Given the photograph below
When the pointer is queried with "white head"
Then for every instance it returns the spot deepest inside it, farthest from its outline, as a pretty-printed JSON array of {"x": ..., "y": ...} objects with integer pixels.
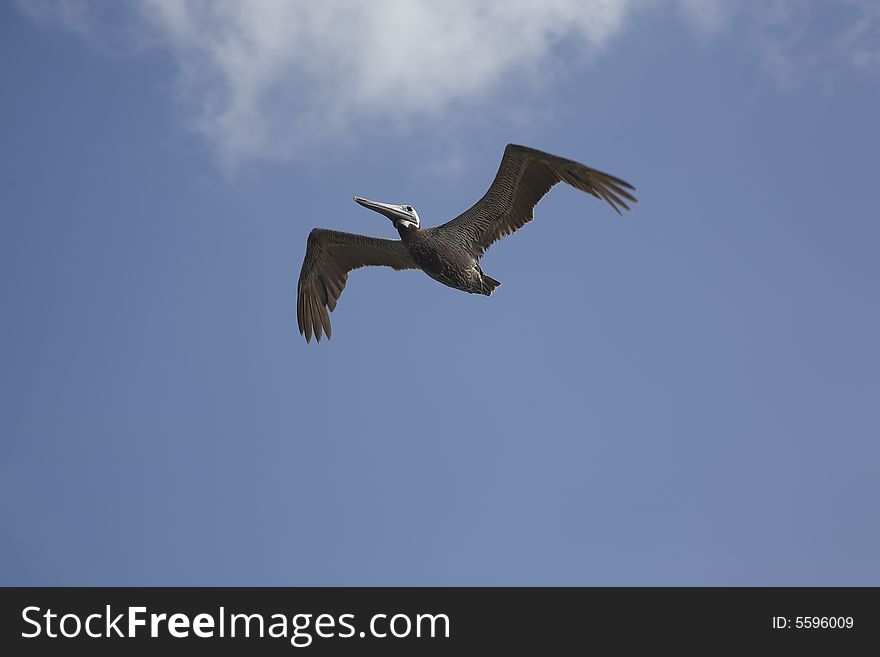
[{"x": 402, "y": 216}]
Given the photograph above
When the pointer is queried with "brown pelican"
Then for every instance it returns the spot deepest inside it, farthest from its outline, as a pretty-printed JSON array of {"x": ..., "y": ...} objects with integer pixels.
[{"x": 449, "y": 253}]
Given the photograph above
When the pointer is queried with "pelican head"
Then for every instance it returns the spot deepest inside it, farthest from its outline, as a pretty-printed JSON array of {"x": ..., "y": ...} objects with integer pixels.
[{"x": 401, "y": 215}]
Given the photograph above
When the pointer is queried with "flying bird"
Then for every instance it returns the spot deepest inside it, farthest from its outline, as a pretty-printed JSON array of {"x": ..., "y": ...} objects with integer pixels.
[{"x": 449, "y": 253}]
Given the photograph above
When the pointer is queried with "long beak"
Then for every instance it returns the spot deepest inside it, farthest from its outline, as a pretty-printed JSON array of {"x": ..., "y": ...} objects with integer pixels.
[{"x": 390, "y": 211}]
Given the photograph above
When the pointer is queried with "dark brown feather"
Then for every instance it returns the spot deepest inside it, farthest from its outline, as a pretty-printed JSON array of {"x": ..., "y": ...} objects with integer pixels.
[
  {"x": 524, "y": 178},
  {"x": 330, "y": 255}
]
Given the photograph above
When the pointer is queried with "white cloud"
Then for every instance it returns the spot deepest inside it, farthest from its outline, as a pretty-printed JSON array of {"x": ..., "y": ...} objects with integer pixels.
[{"x": 274, "y": 79}]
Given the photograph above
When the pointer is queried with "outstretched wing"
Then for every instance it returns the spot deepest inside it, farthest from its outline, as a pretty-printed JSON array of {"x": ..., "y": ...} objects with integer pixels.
[
  {"x": 524, "y": 177},
  {"x": 330, "y": 255}
]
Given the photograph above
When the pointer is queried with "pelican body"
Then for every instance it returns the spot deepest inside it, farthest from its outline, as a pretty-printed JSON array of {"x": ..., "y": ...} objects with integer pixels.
[
  {"x": 449, "y": 253},
  {"x": 433, "y": 252}
]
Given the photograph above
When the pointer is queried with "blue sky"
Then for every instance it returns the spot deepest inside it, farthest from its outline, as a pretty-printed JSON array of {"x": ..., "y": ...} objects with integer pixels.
[{"x": 686, "y": 396}]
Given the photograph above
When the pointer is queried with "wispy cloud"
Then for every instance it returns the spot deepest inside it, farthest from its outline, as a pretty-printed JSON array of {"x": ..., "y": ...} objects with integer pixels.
[
  {"x": 706, "y": 17},
  {"x": 274, "y": 79},
  {"x": 71, "y": 14},
  {"x": 814, "y": 40},
  {"x": 795, "y": 40}
]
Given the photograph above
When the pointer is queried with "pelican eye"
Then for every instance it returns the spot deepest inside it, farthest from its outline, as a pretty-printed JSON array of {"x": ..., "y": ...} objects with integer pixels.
[{"x": 408, "y": 208}]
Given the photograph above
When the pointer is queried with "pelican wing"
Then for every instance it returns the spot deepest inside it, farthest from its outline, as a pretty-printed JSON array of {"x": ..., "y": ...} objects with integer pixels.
[
  {"x": 330, "y": 255},
  {"x": 524, "y": 177}
]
